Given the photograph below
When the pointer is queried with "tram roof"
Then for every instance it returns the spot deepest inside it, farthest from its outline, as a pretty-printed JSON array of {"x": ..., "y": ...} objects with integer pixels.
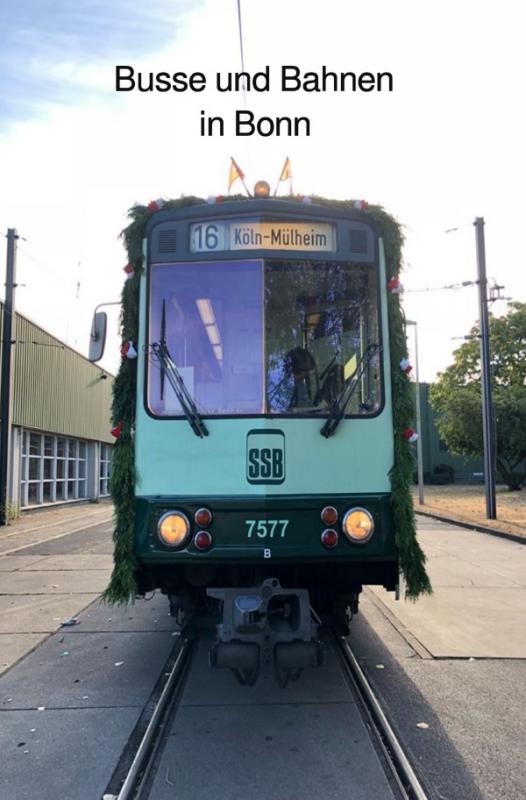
[{"x": 318, "y": 206}]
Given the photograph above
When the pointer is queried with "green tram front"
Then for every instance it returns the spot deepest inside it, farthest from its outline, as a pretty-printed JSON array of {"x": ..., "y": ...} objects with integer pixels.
[{"x": 264, "y": 433}]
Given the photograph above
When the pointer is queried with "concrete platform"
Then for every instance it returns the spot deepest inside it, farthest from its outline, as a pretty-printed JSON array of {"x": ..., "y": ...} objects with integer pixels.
[
  {"x": 14, "y": 563},
  {"x": 53, "y": 523},
  {"x": 14, "y": 646},
  {"x": 66, "y": 563},
  {"x": 87, "y": 669},
  {"x": 38, "y": 613},
  {"x": 67, "y": 709},
  {"x": 43, "y": 583},
  {"x": 473, "y": 745},
  {"x": 68, "y": 582},
  {"x": 144, "y": 615},
  {"x": 67, "y": 753},
  {"x": 478, "y": 608}
]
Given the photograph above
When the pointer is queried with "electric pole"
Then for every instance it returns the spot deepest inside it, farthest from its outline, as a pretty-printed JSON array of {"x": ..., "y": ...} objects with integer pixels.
[
  {"x": 485, "y": 375},
  {"x": 5, "y": 377}
]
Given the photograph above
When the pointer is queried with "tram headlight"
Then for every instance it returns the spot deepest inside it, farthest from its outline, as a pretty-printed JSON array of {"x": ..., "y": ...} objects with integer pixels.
[
  {"x": 358, "y": 525},
  {"x": 173, "y": 528}
]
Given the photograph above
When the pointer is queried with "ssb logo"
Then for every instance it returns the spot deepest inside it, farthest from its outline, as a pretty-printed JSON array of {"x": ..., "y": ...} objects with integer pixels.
[{"x": 266, "y": 456}]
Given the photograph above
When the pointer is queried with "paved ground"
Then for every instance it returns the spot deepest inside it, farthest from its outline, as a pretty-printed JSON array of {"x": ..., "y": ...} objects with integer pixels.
[
  {"x": 51, "y": 523},
  {"x": 478, "y": 608},
  {"x": 457, "y": 660},
  {"x": 47, "y": 575},
  {"x": 450, "y": 670},
  {"x": 69, "y": 707},
  {"x": 474, "y": 734}
]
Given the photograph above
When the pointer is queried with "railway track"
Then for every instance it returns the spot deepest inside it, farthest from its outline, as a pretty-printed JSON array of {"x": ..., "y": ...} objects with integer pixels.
[
  {"x": 148, "y": 775},
  {"x": 401, "y": 769},
  {"x": 136, "y": 762}
]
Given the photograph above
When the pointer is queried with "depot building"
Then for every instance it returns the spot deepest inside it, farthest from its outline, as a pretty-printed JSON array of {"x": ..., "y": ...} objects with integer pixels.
[{"x": 60, "y": 441}]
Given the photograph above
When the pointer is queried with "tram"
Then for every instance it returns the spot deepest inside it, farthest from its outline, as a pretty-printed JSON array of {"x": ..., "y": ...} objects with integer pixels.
[{"x": 255, "y": 468}]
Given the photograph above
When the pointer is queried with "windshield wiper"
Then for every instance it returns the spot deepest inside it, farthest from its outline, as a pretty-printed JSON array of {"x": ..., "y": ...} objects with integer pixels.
[
  {"x": 340, "y": 403},
  {"x": 175, "y": 379}
]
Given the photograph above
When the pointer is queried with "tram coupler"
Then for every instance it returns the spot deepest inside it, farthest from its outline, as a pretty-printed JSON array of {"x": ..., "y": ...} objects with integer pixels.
[{"x": 265, "y": 629}]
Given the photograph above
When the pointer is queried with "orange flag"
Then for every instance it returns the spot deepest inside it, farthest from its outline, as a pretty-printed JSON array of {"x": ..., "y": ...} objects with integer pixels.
[
  {"x": 286, "y": 172},
  {"x": 286, "y": 175},
  {"x": 235, "y": 173}
]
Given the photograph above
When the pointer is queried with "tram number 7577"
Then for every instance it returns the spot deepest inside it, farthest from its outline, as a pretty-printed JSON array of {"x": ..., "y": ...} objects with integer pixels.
[{"x": 267, "y": 528}]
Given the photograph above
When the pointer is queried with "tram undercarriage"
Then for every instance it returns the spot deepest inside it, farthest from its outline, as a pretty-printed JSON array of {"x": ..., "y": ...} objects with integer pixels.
[
  {"x": 266, "y": 624},
  {"x": 263, "y": 629}
]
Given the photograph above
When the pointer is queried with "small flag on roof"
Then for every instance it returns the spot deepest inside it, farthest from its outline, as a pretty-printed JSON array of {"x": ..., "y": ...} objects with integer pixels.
[
  {"x": 235, "y": 173},
  {"x": 285, "y": 175}
]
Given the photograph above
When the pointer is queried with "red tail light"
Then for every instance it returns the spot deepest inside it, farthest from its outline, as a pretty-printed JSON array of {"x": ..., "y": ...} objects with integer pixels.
[
  {"x": 202, "y": 540},
  {"x": 203, "y": 517},
  {"x": 329, "y": 538},
  {"x": 329, "y": 515}
]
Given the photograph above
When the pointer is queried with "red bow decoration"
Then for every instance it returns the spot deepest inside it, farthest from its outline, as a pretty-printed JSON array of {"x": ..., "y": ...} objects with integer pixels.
[
  {"x": 155, "y": 205},
  {"x": 117, "y": 430},
  {"x": 410, "y": 435},
  {"x": 128, "y": 350},
  {"x": 394, "y": 286}
]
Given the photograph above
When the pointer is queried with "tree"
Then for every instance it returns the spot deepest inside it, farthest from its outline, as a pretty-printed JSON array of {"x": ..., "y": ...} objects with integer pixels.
[{"x": 457, "y": 396}]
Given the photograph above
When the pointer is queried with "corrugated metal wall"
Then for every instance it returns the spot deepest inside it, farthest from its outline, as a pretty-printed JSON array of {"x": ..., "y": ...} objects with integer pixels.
[{"x": 55, "y": 388}]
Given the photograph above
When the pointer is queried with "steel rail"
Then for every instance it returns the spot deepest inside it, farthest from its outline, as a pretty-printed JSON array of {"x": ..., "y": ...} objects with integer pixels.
[
  {"x": 140, "y": 760},
  {"x": 399, "y": 760}
]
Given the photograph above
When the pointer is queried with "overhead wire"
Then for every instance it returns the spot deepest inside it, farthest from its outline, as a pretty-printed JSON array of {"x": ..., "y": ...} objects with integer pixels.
[
  {"x": 56, "y": 277},
  {"x": 460, "y": 285},
  {"x": 40, "y": 264},
  {"x": 241, "y": 49}
]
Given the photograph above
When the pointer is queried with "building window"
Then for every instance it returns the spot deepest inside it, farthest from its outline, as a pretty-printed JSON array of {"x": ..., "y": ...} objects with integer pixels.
[
  {"x": 104, "y": 469},
  {"x": 53, "y": 468}
]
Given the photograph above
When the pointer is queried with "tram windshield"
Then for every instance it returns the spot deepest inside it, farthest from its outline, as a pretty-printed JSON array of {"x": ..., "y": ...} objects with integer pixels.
[{"x": 265, "y": 337}]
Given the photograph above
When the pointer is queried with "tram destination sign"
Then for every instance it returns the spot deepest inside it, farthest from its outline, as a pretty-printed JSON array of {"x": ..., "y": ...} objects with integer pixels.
[{"x": 210, "y": 237}]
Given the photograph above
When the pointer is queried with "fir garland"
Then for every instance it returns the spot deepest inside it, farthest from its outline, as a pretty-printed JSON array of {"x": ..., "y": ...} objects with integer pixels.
[{"x": 122, "y": 587}]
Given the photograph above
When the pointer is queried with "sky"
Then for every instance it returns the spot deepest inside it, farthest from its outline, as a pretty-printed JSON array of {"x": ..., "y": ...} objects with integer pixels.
[{"x": 446, "y": 146}]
